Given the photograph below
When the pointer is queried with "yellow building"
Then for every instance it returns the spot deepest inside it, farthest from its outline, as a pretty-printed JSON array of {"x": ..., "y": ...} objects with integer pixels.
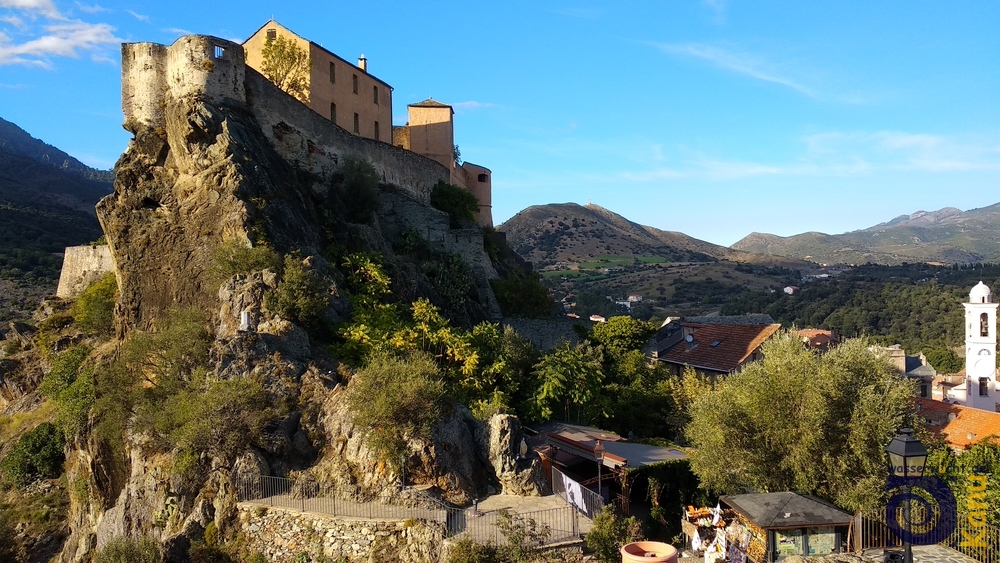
[
  {"x": 430, "y": 132},
  {"x": 340, "y": 90}
]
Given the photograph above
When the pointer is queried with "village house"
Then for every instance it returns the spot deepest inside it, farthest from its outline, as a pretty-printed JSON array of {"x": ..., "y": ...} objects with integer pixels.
[
  {"x": 960, "y": 427},
  {"x": 713, "y": 346},
  {"x": 818, "y": 340}
]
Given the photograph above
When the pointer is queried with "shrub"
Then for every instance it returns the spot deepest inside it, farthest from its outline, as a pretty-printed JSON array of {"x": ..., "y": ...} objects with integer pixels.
[
  {"x": 130, "y": 550},
  {"x": 234, "y": 258},
  {"x": 457, "y": 202},
  {"x": 396, "y": 399},
  {"x": 609, "y": 533},
  {"x": 522, "y": 294},
  {"x": 302, "y": 293},
  {"x": 7, "y": 536},
  {"x": 65, "y": 368},
  {"x": 355, "y": 189},
  {"x": 94, "y": 309},
  {"x": 38, "y": 453}
]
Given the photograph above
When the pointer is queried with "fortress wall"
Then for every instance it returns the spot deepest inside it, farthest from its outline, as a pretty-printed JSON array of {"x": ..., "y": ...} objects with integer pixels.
[
  {"x": 144, "y": 88},
  {"x": 82, "y": 266},
  {"x": 314, "y": 143},
  {"x": 208, "y": 67}
]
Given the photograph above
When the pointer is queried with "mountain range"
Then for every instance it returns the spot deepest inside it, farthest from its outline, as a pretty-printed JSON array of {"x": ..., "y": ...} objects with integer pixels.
[
  {"x": 47, "y": 201},
  {"x": 547, "y": 235},
  {"x": 946, "y": 236}
]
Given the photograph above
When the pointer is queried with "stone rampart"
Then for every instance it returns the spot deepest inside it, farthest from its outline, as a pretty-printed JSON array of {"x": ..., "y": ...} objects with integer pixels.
[
  {"x": 283, "y": 534},
  {"x": 82, "y": 266},
  {"x": 206, "y": 67},
  {"x": 316, "y": 144},
  {"x": 546, "y": 334}
]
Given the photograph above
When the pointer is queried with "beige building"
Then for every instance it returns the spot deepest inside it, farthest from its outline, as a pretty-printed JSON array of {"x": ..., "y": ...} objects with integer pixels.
[
  {"x": 430, "y": 132},
  {"x": 337, "y": 89}
]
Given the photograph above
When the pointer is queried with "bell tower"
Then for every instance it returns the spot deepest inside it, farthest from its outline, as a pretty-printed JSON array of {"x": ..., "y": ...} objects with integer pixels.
[{"x": 981, "y": 387}]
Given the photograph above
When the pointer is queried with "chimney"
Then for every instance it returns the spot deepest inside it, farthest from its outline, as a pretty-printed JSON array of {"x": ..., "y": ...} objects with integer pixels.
[
  {"x": 363, "y": 63},
  {"x": 952, "y": 416}
]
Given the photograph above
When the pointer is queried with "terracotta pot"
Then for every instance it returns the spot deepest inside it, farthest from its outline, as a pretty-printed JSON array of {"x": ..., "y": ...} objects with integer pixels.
[{"x": 649, "y": 552}]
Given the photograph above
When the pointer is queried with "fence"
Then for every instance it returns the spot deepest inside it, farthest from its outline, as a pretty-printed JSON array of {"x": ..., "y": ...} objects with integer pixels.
[
  {"x": 971, "y": 537},
  {"x": 560, "y": 524},
  {"x": 586, "y": 501}
]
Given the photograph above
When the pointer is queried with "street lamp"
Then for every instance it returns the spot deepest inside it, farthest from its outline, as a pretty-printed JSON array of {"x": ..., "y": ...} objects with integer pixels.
[
  {"x": 599, "y": 456},
  {"x": 907, "y": 459}
]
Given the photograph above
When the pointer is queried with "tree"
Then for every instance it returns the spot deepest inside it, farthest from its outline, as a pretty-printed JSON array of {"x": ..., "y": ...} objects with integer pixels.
[
  {"x": 456, "y": 201},
  {"x": 622, "y": 334},
  {"x": 797, "y": 421},
  {"x": 567, "y": 376},
  {"x": 287, "y": 66}
]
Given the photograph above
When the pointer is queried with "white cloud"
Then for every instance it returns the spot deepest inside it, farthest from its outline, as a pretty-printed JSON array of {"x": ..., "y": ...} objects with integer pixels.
[
  {"x": 718, "y": 7},
  {"x": 471, "y": 105},
  {"x": 43, "y": 7},
  {"x": 178, "y": 31},
  {"x": 63, "y": 40},
  {"x": 140, "y": 17},
  {"x": 13, "y": 20},
  {"x": 95, "y": 9},
  {"x": 740, "y": 63}
]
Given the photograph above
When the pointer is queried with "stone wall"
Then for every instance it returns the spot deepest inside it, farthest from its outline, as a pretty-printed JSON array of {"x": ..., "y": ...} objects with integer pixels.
[
  {"x": 82, "y": 266},
  {"x": 546, "y": 334},
  {"x": 311, "y": 142},
  {"x": 281, "y": 534}
]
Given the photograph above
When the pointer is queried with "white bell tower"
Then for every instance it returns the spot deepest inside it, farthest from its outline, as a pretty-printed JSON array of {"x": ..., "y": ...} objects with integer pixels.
[{"x": 981, "y": 390}]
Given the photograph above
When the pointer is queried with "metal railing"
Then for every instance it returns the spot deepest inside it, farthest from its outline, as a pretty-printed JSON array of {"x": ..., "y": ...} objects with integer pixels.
[
  {"x": 575, "y": 494},
  {"x": 971, "y": 537},
  {"x": 560, "y": 524}
]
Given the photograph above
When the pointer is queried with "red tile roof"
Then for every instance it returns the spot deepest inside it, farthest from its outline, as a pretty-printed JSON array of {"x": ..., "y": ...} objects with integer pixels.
[
  {"x": 718, "y": 347},
  {"x": 970, "y": 426}
]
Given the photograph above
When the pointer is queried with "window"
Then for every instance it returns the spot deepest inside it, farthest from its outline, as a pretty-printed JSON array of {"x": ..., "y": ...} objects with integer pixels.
[
  {"x": 375, "y": 93},
  {"x": 984, "y": 387},
  {"x": 355, "y": 83},
  {"x": 220, "y": 51},
  {"x": 483, "y": 178},
  {"x": 376, "y": 131},
  {"x": 333, "y": 73},
  {"x": 923, "y": 390},
  {"x": 357, "y": 124},
  {"x": 333, "y": 112},
  {"x": 272, "y": 34},
  {"x": 984, "y": 325}
]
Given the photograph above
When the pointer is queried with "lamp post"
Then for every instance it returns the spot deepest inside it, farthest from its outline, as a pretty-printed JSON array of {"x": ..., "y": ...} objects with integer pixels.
[
  {"x": 907, "y": 458},
  {"x": 599, "y": 456}
]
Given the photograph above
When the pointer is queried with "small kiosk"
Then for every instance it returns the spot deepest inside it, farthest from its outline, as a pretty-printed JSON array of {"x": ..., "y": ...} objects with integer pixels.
[{"x": 767, "y": 527}]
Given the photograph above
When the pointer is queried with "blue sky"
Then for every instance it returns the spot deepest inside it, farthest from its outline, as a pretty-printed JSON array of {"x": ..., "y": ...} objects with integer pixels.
[{"x": 713, "y": 118}]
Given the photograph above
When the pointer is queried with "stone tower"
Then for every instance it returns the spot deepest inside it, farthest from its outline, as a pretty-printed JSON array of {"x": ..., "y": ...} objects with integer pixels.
[{"x": 980, "y": 350}]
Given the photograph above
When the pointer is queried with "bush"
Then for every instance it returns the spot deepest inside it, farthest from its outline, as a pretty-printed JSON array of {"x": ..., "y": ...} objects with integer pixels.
[
  {"x": 130, "y": 550},
  {"x": 65, "y": 368},
  {"x": 356, "y": 188},
  {"x": 457, "y": 202},
  {"x": 94, "y": 309},
  {"x": 302, "y": 294},
  {"x": 233, "y": 258},
  {"x": 397, "y": 399},
  {"x": 609, "y": 533},
  {"x": 38, "y": 453},
  {"x": 522, "y": 294},
  {"x": 7, "y": 536}
]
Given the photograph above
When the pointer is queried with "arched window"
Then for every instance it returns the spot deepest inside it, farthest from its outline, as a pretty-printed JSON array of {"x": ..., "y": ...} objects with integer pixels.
[{"x": 984, "y": 325}]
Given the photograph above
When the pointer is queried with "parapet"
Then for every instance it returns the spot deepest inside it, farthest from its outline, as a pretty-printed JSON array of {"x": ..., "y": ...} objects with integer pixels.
[
  {"x": 202, "y": 66},
  {"x": 82, "y": 266}
]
